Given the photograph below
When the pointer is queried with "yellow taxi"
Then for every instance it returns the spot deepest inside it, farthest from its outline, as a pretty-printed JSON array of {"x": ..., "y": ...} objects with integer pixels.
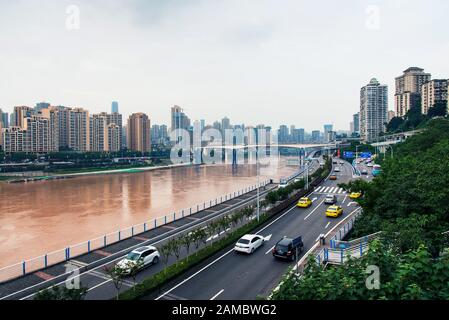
[
  {"x": 334, "y": 211},
  {"x": 355, "y": 195},
  {"x": 304, "y": 202}
]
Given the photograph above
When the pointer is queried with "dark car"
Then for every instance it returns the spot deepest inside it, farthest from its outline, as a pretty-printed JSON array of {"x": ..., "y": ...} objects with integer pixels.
[
  {"x": 364, "y": 172},
  {"x": 287, "y": 248}
]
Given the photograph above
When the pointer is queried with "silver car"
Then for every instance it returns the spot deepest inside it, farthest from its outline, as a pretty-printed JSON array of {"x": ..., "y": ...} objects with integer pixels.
[{"x": 330, "y": 199}]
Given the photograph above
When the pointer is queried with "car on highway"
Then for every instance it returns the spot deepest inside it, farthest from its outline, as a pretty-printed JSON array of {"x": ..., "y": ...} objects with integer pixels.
[
  {"x": 364, "y": 172},
  {"x": 334, "y": 211},
  {"x": 249, "y": 243},
  {"x": 304, "y": 202},
  {"x": 355, "y": 195},
  {"x": 142, "y": 256},
  {"x": 333, "y": 177},
  {"x": 288, "y": 248},
  {"x": 337, "y": 169},
  {"x": 370, "y": 165},
  {"x": 341, "y": 162},
  {"x": 334, "y": 161},
  {"x": 282, "y": 184},
  {"x": 330, "y": 199}
]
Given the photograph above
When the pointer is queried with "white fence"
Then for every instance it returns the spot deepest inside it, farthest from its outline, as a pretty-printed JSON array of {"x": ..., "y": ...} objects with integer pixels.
[{"x": 72, "y": 251}]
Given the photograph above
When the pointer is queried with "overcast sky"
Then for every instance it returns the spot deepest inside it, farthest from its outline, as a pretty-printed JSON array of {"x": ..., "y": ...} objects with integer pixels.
[{"x": 255, "y": 61}]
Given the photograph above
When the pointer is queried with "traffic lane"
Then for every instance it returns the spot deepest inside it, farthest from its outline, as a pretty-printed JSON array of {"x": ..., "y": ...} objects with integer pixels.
[{"x": 246, "y": 276}]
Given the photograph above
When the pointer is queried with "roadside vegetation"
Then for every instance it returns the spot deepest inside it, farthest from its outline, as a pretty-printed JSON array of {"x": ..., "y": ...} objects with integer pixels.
[{"x": 408, "y": 203}]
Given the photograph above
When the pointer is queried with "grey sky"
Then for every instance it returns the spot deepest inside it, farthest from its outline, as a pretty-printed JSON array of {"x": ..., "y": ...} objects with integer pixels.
[{"x": 255, "y": 61}]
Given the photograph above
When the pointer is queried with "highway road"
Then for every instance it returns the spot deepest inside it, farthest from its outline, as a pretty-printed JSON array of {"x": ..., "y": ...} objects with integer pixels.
[{"x": 236, "y": 276}]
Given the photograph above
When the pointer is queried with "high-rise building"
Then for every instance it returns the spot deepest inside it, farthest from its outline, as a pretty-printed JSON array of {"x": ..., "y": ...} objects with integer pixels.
[
  {"x": 327, "y": 128},
  {"x": 432, "y": 93},
  {"x": 32, "y": 137},
  {"x": 116, "y": 118},
  {"x": 79, "y": 130},
  {"x": 316, "y": 136},
  {"x": 179, "y": 119},
  {"x": 4, "y": 119},
  {"x": 225, "y": 124},
  {"x": 373, "y": 110},
  {"x": 41, "y": 105},
  {"x": 283, "y": 134},
  {"x": 114, "y": 107},
  {"x": 408, "y": 89},
  {"x": 20, "y": 113},
  {"x": 114, "y": 136},
  {"x": 391, "y": 115},
  {"x": 99, "y": 133},
  {"x": 139, "y": 135},
  {"x": 356, "y": 122}
]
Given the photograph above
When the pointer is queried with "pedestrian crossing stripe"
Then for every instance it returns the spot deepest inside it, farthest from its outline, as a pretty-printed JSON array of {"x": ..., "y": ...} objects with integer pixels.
[{"x": 335, "y": 190}]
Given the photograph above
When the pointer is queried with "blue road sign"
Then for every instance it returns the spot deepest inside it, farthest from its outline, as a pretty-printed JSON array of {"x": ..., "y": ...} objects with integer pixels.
[
  {"x": 365, "y": 155},
  {"x": 348, "y": 154}
]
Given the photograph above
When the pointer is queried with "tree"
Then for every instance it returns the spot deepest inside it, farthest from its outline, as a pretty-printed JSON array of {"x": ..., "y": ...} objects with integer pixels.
[
  {"x": 134, "y": 268},
  {"x": 117, "y": 275},
  {"x": 61, "y": 293},
  {"x": 395, "y": 124},
  {"x": 176, "y": 244},
  {"x": 187, "y": 240},
  {"x": 439, "y": 109},
  {"x": 165, "y": 251}
]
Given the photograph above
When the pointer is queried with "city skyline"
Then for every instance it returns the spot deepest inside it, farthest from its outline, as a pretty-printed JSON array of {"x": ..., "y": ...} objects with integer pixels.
[{"x": 214, "y": 64}]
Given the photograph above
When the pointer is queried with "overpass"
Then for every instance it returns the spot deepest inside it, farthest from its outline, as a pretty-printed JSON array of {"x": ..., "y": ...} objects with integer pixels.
[{"x": 231, "y": 151}]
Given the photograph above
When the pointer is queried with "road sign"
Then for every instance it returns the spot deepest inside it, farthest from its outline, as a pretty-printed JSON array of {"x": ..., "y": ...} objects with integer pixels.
[
  {"x": 365, "y": 155},
  {"x": 348, "y": 154}
]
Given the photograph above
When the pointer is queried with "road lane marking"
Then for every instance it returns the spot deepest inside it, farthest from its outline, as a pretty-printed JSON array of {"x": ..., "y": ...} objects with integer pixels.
[
  {"x": 220, "y": 292},
  {"x": 325, "y": 190},
  {"x": 346, "y": 196},
  {"x": 270, "y": 250},
  {"x": 351, "y": 203},
  {"x": 318, "y": 189},
  {"x": 318, "y": 205},
  {"x": 327, "y": 225}
]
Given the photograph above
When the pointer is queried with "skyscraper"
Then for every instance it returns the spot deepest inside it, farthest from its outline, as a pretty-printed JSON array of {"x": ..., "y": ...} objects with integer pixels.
[
  {"x": 373, "y": 110},
  {"x": 114, "y": 107},
  {"x": 315, "y": 136},
  {"x": 327, "y": 129},
  {"x": 139, "y": 135},
  {"x": 4, "y": 119},
  {"x": 99, "y": 133},
  {"x": 20, "y": 113},
  {"x": 356, "y": 122},
  {"x": 408, "y": 89}
]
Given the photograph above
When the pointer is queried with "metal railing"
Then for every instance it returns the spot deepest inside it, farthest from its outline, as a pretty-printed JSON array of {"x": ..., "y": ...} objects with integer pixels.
[{"x": 41, "y": 262}]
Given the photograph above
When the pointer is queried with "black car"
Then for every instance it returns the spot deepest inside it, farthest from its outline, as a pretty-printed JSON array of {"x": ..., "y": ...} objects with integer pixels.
[
  {"x": 286, "y": 248},
  {"x": 364, "y": 172}
]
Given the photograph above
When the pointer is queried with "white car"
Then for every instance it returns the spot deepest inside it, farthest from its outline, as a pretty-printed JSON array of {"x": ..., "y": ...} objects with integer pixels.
[
  {"x": 369, "y": 165},
  {"x": 282, "y": 184},
  {"x": 249, "y": 243},
  {"x": 147, "y": 255},
  {"x": 337, "y": 169},
  {"x": 341, "y": 162}
]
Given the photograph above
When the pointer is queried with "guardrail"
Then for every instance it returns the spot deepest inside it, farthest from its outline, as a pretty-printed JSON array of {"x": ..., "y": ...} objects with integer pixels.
[
  {"x": 338, "y": 247},
  {"x": 44, "y": 261}
]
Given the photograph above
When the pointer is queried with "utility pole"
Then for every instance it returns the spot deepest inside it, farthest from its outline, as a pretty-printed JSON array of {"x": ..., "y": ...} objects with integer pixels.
[{"x": 258, "y": 185}]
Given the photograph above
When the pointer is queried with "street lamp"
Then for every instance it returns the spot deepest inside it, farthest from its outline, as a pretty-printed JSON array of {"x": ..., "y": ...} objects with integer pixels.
[{"x": 258, "y": 185}]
